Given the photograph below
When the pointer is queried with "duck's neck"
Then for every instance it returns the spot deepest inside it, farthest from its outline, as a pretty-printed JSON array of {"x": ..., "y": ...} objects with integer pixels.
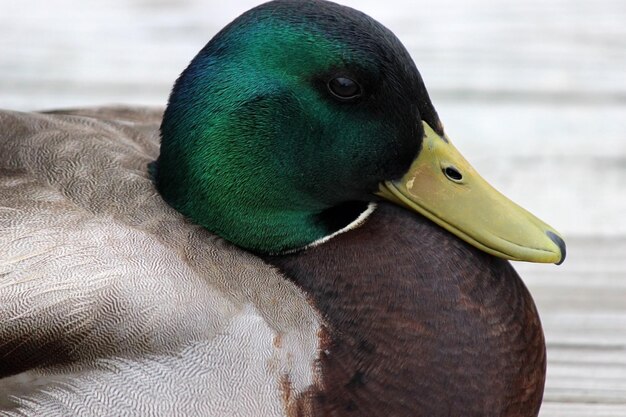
[{"x": 419, "y": 323}]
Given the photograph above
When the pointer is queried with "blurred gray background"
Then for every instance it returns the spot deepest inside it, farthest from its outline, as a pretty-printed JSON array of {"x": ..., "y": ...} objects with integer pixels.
[{"x": 532, "y": 92}]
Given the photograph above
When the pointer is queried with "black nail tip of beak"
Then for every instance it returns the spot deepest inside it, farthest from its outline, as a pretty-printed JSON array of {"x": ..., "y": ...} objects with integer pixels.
[{"x": 559, "y": 242}]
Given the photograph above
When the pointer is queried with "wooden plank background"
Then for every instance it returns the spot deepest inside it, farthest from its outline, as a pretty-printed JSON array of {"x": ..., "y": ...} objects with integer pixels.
[
  {"x": 582, "y": 304},
  {"x": 533, "y": 92}
]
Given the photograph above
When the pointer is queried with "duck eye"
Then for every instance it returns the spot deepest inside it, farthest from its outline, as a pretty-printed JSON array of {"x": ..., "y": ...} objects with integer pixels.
[{"x": 344, "y": 88}]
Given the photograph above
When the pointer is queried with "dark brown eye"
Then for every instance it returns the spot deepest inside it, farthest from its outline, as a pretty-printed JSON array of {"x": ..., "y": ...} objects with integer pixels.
[{"x": 344, "y": 88}]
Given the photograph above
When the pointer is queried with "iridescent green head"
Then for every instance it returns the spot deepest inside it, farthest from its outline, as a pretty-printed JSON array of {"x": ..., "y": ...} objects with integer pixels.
[
  {"x": 259, "y": 146},
  {"x": 284, "y": 126}
]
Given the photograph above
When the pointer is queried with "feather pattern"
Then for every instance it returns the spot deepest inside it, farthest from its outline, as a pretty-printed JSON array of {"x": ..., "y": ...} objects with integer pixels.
[{"x": 119, "y": 300}]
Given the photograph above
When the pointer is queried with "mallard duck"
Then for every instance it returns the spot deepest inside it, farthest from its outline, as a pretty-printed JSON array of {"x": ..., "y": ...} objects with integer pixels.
[{"x": 298, "y": 238}]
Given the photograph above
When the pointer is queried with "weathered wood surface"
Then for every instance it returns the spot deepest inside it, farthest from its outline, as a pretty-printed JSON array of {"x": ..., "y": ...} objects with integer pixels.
[
  {"x": 533, "y": 92},
  {"x": 60, "y": 52},
  {"x": 582, "y": 304}
]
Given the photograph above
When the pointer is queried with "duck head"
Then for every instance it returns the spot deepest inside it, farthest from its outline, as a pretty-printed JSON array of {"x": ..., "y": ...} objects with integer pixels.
[{"x": 297, "y": 116}]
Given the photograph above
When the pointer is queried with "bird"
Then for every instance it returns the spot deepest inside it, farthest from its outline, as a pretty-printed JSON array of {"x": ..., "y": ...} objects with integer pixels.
[{"x": 293, "y": 235}]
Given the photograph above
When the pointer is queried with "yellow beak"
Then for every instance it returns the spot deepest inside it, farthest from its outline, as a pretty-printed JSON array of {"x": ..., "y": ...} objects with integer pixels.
[{"x": 445, "y": 188}]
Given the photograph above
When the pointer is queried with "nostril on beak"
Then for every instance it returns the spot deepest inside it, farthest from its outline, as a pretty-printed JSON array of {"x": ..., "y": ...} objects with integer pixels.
[
  {"x": 560, "y": 243},
  {"x": 453, "y": 174}
]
